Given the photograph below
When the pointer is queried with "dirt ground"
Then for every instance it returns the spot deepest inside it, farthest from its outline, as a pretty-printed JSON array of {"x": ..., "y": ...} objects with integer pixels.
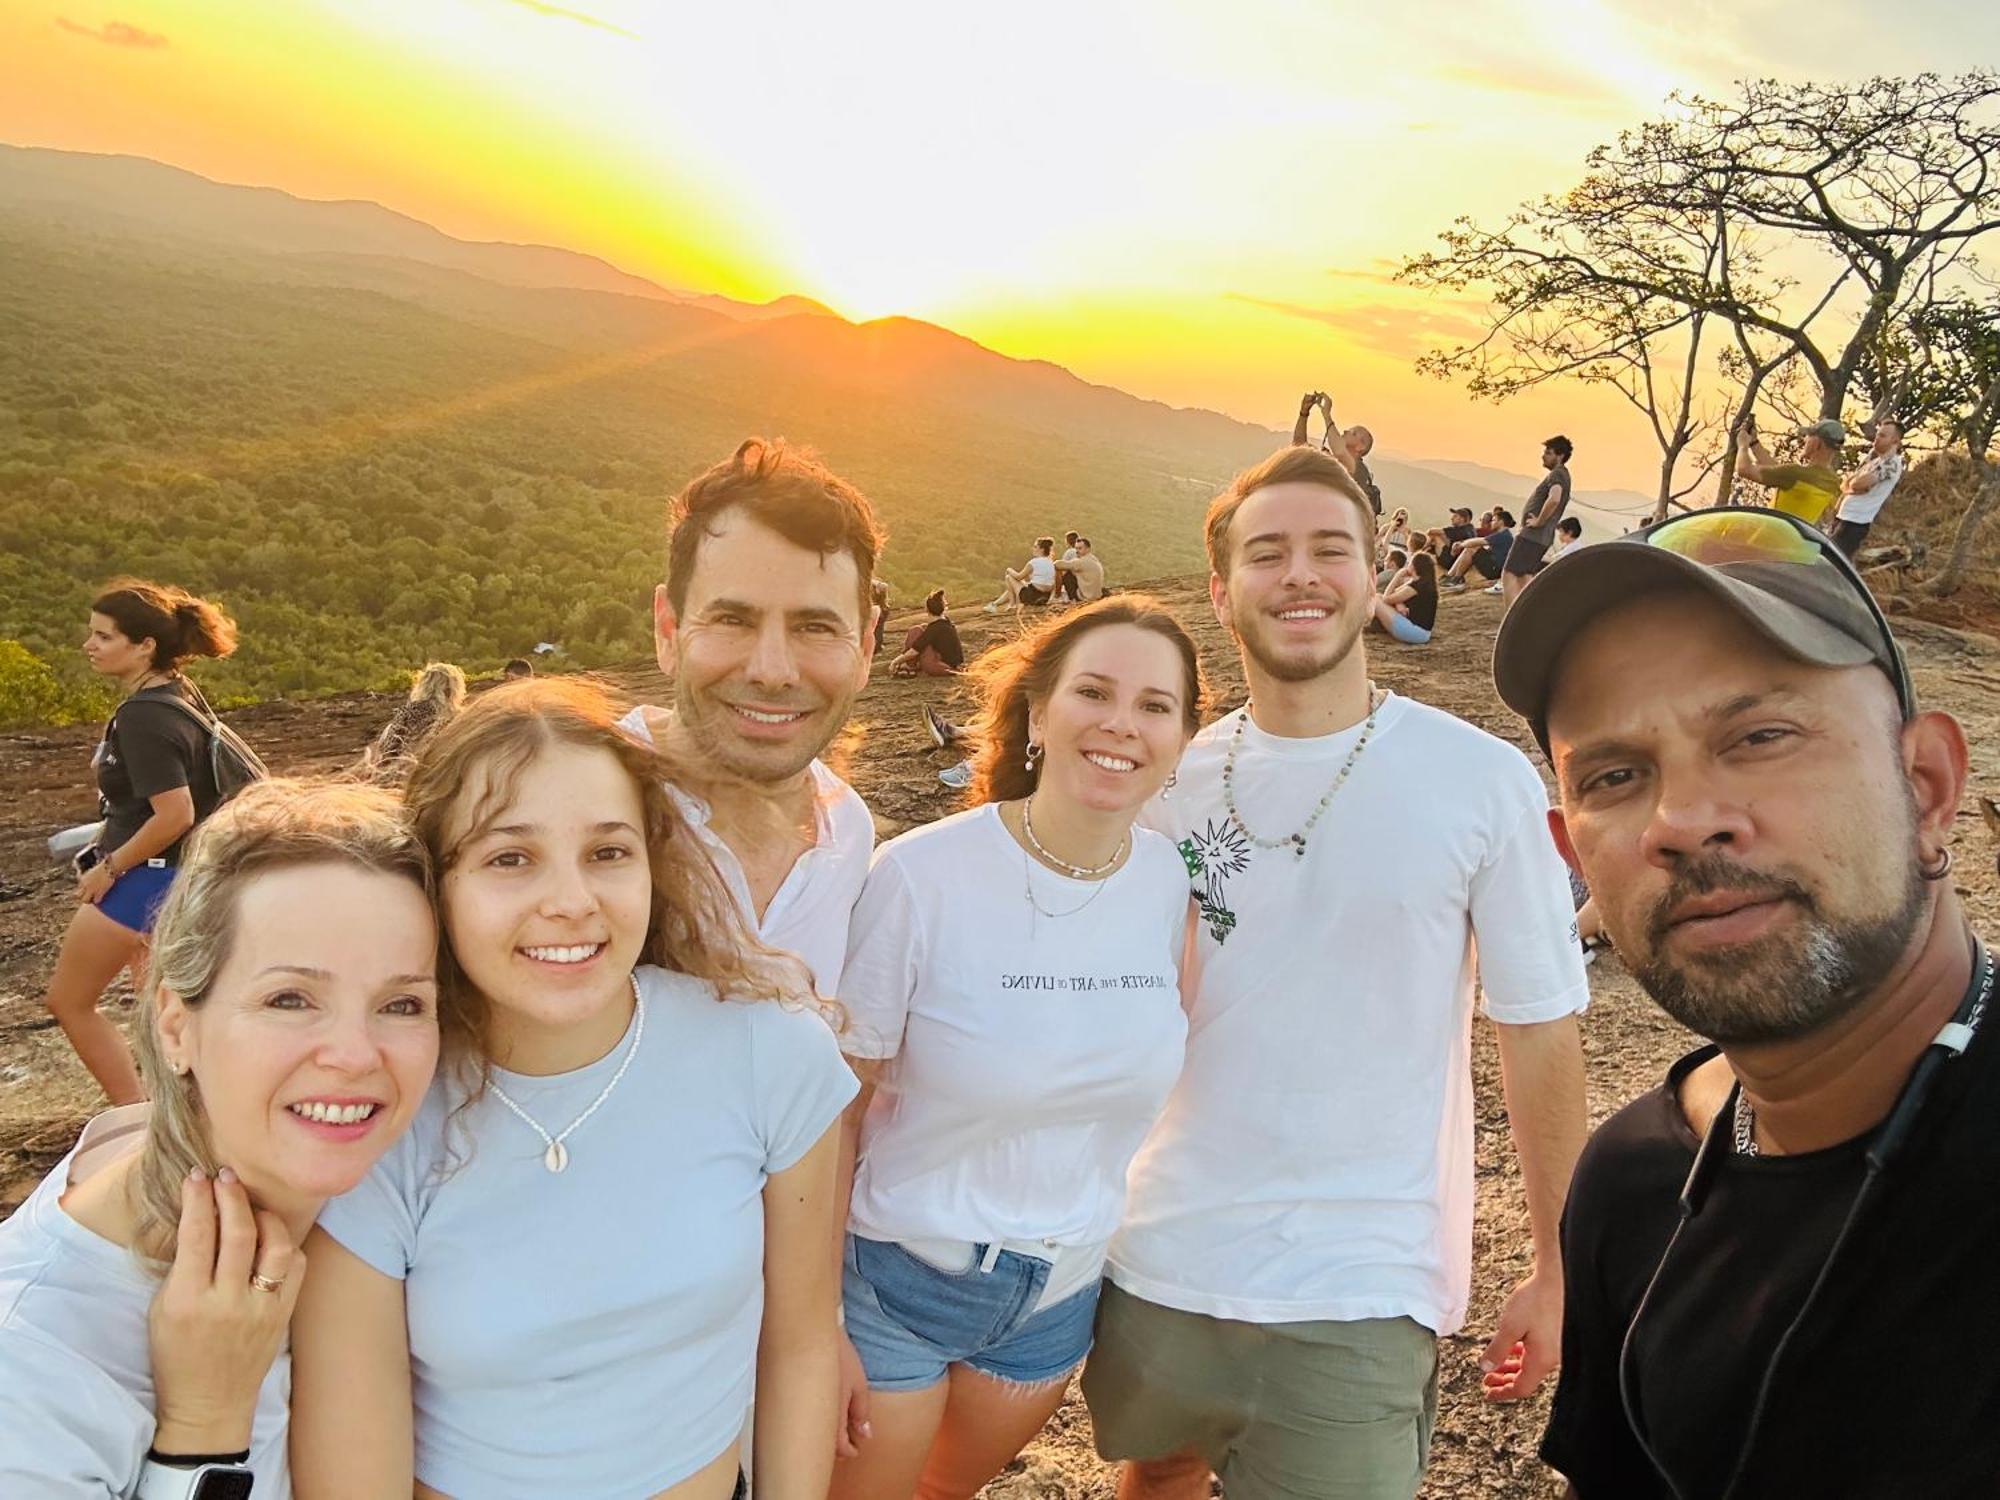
[{"x": 1480, "y": 1450}]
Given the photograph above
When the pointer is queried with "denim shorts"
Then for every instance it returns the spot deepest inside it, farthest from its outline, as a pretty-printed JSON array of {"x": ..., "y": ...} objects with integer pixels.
[{"x": 910, "y": 1321}]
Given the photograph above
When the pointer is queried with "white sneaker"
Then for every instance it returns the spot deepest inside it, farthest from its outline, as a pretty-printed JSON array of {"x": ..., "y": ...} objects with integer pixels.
[
  {"x": 989, "y": 609},
  {"x": 1497, "y": 589},
  {"x": 957, "y": 777}
]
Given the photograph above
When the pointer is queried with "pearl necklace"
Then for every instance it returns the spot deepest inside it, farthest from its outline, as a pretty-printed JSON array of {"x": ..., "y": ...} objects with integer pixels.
[
  {"x": 556, "y": 1157},
  {"x": 1295, "y": 842},
  {"x": 1080, "y": 872}
]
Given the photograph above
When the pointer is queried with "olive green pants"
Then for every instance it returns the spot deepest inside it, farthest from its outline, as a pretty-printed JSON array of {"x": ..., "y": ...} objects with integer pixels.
[{"x": 1281, "y": 1411}]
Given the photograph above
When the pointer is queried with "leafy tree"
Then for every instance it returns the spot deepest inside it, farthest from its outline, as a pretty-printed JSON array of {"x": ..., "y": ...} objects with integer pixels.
[{"x": 1816, "y": 221}]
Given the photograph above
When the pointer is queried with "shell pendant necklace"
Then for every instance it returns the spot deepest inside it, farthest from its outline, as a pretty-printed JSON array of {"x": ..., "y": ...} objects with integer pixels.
[
  {"x": 1295, "y": 842},
  {"x": 556, "y": 1157}
]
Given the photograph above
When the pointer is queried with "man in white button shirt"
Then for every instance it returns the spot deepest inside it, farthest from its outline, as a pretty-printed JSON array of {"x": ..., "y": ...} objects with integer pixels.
[
  {"x": 1298, "y": 1233},
  {"x": 764, "y": 625}
]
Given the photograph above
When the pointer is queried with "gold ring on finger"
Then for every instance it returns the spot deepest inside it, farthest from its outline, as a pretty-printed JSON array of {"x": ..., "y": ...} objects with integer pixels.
[{"x": 267, "y": 1283}]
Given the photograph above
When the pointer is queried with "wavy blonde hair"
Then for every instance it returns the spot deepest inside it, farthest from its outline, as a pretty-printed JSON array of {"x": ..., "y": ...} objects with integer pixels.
[
  {"x": 277, "y": 824},
  {"x": 440, "y": 682},
  {"x": 696, "y": 926}
]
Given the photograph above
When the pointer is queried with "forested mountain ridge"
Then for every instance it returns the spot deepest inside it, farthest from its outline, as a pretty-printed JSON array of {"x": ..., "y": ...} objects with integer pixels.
[{"x": 374, "y": 458}]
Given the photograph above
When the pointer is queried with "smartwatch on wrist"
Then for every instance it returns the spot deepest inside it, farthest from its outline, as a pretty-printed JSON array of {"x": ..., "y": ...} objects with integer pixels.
[{"x": 206, "y": 1477}]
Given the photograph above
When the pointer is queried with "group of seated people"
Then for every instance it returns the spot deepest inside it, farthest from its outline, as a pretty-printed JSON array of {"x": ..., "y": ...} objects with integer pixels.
[
  {"x": 1077, "y": 576},
  {"x": 1413, "y": 567}
]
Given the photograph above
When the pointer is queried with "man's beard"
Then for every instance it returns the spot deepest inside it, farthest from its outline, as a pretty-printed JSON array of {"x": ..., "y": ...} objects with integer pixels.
[
  {"x": 1300, "y": 665},
  {"x": 1782, "y": 986}
]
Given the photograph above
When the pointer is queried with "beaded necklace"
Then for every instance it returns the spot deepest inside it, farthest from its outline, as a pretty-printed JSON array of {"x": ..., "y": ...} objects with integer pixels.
[{"x": 1295, "y": 842}]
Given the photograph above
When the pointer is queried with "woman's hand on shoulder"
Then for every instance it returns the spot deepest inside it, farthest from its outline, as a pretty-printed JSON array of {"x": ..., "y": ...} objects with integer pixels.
[{"x": 213, "y": 1329}]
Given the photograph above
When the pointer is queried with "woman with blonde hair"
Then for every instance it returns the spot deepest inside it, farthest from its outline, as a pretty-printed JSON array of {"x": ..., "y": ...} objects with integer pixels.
[
  {"x": 1394, "y": 532},
  {"x": 1012, "y": 989},
  {"x": 436, "y": 693},
  {"x": 154, "y": 784},
  {"x": 146, "y": 1284},
  {"x": 611, "y": 1222}
]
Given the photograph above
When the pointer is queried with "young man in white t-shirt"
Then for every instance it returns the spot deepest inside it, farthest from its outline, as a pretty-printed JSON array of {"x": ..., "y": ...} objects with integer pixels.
[
  {"x": 1299, "y": 1231},
  {"x": 764, "y": 624},
  {"x": 1868, "y": 488}
]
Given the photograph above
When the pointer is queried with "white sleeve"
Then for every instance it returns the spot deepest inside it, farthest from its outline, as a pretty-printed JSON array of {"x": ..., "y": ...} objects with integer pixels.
[
  {"x": 68, "y": 1431},
  {"x": 1524, "y": 922},
  {"x": 799, "y": 1081},
  {"x": 885, "y": 953}
]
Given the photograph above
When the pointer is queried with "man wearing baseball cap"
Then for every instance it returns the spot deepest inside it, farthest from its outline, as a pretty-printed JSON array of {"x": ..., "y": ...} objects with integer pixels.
[
  {"x": 1803, "y": 489},
  {"x": 1779, "y": 1265}
]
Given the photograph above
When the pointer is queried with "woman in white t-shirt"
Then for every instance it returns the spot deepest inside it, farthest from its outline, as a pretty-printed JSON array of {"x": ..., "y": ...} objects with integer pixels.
[
  {"x": 609, "y": 1224},
  {"x": 282, "y": 1058},
  {"x": 1011, "y": 988},
  {"x": 1034, "y": 582}
]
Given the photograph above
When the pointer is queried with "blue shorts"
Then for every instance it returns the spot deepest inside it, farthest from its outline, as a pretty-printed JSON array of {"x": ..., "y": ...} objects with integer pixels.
[
  {"x": 911, "y": 1322},
  {"x": 135, "y": 897}
]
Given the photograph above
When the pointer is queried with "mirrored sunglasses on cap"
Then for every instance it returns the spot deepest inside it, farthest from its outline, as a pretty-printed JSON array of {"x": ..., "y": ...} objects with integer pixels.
[{"x": 1735, "y": 534}]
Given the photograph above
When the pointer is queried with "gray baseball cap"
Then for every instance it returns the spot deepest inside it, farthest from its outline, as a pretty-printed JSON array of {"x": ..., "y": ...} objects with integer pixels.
[
  {"x": 1777, "y": 576},
  {"x": 1827, "y": 430}
]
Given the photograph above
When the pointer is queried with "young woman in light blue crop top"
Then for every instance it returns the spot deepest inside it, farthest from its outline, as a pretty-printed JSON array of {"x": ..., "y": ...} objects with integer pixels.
[{"x": 611, "y": 1226}]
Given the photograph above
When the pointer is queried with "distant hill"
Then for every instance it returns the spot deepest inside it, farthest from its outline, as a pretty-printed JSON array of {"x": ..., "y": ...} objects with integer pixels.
[
  {"x": 133, "y": 195},
  {"x": 377, "y": 444},
  {"x": 380, "y": 444}
]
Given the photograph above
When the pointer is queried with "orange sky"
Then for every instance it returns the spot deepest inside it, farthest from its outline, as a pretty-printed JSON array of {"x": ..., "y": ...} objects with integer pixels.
[{"x": 1194, "y": 202}]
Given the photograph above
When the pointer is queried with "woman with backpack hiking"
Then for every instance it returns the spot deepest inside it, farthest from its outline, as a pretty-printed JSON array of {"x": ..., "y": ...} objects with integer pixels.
[{"x": 155, "y": 782}]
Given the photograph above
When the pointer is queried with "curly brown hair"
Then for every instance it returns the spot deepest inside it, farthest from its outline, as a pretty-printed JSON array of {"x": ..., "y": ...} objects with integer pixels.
[
  {"x": 787, "y": 489},
  {"x": 1014, "y": 677}
]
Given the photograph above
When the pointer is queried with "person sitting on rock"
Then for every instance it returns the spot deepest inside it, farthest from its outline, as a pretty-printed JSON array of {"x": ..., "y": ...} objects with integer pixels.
[
  {"x": 1034, "y": 582},
  {"x": 932, "y": 649}
]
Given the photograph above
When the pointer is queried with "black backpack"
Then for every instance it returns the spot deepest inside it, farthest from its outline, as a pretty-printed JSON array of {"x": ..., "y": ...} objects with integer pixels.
[{"x": 232, "y": 764}]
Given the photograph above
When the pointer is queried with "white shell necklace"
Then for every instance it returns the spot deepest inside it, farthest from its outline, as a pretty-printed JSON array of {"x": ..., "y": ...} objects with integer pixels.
[
  {"x": 556, "y": 1157},
  {"x": 1295, "y": 842}
]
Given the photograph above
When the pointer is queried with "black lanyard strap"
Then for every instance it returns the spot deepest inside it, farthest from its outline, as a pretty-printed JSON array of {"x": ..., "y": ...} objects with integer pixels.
[{"x": 1884, "y": 1145}]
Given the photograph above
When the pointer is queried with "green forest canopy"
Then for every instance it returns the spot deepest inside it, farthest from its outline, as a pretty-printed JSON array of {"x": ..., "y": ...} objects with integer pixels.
[{"x": 377, "y": 464}]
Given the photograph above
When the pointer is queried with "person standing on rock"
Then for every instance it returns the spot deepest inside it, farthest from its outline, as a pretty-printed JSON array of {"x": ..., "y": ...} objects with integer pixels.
[
  {"x": 153, "y": 785},
  {"x": 1299, "y": 1229},
  {"x": 1764, "y": 815},
  {"x": 1351, "y": 447},
  {"x": 1529, "y": 554},
  {"x": 1868, "y": 488},
  {"x": 764, "y": 626}
]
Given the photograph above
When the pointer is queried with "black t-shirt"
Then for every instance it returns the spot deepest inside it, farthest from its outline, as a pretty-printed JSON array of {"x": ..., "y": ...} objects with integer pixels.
[
  {"x": 150, "y": 747},
  {"x": 1891, "y": 1388},
  {"x": 1421, "y": 608},
  {"x": 942, "y": 637},
  {"x": 1453, "y": 535}
]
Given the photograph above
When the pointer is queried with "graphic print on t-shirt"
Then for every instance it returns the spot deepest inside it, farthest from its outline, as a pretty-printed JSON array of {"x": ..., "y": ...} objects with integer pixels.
[{"x": 1212, "y": 856}]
